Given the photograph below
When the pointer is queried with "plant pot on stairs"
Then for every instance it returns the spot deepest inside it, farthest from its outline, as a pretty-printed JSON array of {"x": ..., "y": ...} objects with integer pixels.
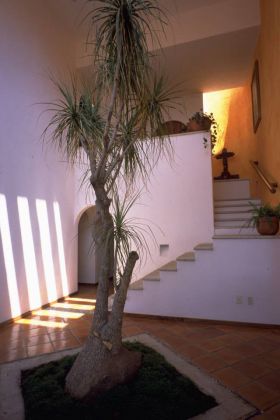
[
  {"x": 265, "y": 218},
  {"x": 267, "y": 225}
]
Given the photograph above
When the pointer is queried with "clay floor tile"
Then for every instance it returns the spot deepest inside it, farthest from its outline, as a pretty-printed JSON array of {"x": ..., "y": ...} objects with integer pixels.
[
  {"x": 212, "y": 345},
  {"x": 190, "y": 351},
  {"x": 231, "y": 378},
  {"x": 181, "y": 328},
  {"x": 265, "y": 344},
  {"x": 229, "y": 328},
  {"x": 131, "y": 330},
  {"x": 272, "y": 358},
  {"x": 229, "y": 356},
  {"x": 275, "y": 411},
  {"x": 68, "y": 343},
  {"x": 264, "y": 416},
  {"x": 38, "y": 339},
  {"x": 251, "y": 369},
  {"x": 259, "y": 395},
  {"x": 205, "y": 333},
  {"x": 172, "y": 340},
  {"x": 210, "y": 363},
  {"x": 33, "y": 332},
  {"x": 60, "y": 335},
  {"x": 245, "y": 349},
  {"x": 13, "y": 354},
  {"x": 218, "y": 343},
  {"x": 271, "y": 381},
  {"x": 11, "y": 345},
  {"x": 40, "y": 349}
]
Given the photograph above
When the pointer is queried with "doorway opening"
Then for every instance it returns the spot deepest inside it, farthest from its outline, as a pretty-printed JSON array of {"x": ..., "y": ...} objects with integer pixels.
[{"x": 87, "y": 265}]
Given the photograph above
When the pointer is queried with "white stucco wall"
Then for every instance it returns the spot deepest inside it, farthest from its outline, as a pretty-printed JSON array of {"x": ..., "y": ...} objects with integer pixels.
[
  {"x": 38, "y": 244},
  {"x": 177, "y": 202}
]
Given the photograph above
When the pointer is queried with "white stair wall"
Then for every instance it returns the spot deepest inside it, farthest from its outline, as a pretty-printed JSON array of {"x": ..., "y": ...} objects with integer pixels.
[
  {"x": 233, "y": 278},
  {"x": 212, "y": 286},
  {"x": 177, "y": 204}
]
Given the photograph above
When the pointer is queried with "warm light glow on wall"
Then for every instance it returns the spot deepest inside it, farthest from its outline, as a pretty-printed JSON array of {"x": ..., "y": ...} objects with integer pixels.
[
  {"x": 219, "y": 104},
  {"x": 45, "y": 238},
  {"x": 29, "y": 253},
  {"x": 9, "y": 258},
  {"x": 61, "y": 254}
]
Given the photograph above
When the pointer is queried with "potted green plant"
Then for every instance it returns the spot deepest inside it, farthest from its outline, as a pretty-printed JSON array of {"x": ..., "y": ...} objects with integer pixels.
[
  {"x": 200, "y": 121},
  {"x": 265, "y": 218},
  {"x": 203, "y": 121}
]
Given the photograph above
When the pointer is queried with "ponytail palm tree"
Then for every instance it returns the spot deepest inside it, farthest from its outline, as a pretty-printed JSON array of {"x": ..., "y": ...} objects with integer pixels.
[{"x": 116, "y": 121}]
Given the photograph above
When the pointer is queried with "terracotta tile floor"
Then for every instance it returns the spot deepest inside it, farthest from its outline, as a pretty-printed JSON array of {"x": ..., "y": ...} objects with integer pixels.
[{"x": 244, "y": 358}]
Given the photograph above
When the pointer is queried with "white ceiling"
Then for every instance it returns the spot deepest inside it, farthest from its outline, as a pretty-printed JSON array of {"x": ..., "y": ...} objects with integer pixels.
[{"x": 209, "y": 44}]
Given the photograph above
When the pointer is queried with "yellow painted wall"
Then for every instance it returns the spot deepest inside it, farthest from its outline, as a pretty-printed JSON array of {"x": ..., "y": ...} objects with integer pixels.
[
  {"x": 267, "y": 137},
  {"x": 232, "y": 109}
]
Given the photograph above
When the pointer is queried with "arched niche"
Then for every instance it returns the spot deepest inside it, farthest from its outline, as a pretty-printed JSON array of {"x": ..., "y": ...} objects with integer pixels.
[{"x": 87, "y": 261}]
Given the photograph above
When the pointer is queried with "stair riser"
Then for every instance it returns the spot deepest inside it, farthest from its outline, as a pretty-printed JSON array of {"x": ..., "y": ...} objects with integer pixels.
[{"x": 231, "y": 190}]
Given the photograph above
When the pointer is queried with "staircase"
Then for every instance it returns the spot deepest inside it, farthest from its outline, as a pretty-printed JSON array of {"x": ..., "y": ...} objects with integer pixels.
[
  {"x": 233, "y": 278},
  {"x": 233, "y": 209}
]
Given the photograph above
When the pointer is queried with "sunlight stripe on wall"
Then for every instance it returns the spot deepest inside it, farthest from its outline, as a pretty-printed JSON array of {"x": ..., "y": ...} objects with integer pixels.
[
  {"x": 61, "y": 254},
  {"x": 45, "y": 238},
  {"x": 9, "y": 258},
  {"x": 29, "y": 253}
]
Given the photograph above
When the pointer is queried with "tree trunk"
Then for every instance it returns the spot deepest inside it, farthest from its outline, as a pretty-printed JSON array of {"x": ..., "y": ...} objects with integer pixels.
[{"x": 103, "y": 362}]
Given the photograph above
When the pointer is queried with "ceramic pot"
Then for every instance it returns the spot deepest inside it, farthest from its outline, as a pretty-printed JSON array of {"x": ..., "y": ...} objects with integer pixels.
[{"x": 268, "y": 225}]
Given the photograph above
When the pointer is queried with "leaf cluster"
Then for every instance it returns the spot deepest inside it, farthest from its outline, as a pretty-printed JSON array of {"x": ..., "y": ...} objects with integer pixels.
[{"x": 266, "y": 211}]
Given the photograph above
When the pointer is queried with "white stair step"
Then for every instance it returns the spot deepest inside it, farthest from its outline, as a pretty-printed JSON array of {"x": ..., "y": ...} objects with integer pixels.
[
  {"x": 240, "y": 223},
  {"x": 204, "y": 247},
  {"x": 233, "y": 209},
  {"x": 154, "y": 276},
  {"x": 171, "y": 266},
  {"x": 233, "y": 216},
  {"x": 249, "y": 236},
  {"x": 237, "y": 203},
  {"x": 188, "y": 256},
  {"x": 234, "y": 231},
  {"x": 137, "y": 285}
]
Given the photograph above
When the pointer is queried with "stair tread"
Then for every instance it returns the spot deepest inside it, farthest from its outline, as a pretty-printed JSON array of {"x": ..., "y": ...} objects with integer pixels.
[
  {"x": 204, "y": 247},
  {"x": 153, "y": 276},
  {"x": 188, "y": 256},
  {"x": 171, "y": 266},
  {"x": 236, "y": 199},
  {"x": 137, "y": 285},
  {"x": 232, "y": 211},
  {"x": 246, "y": 236}
]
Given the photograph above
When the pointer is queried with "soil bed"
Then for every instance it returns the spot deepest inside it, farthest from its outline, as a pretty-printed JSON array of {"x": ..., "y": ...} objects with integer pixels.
[{"x": 158, "y": 392}]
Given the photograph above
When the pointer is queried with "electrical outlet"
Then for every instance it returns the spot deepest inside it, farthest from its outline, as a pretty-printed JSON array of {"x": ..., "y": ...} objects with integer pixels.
[
  {"x": 239, "y": 300},
  {"x": 250, "y": 300}
]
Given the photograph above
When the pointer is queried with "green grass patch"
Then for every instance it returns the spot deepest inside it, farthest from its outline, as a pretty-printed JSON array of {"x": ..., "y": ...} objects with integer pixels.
[{"x": 159, "y": 392}]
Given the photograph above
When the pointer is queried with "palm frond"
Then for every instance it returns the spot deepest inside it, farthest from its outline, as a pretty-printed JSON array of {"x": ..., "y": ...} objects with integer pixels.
[{"x": 129, "y": 234}]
